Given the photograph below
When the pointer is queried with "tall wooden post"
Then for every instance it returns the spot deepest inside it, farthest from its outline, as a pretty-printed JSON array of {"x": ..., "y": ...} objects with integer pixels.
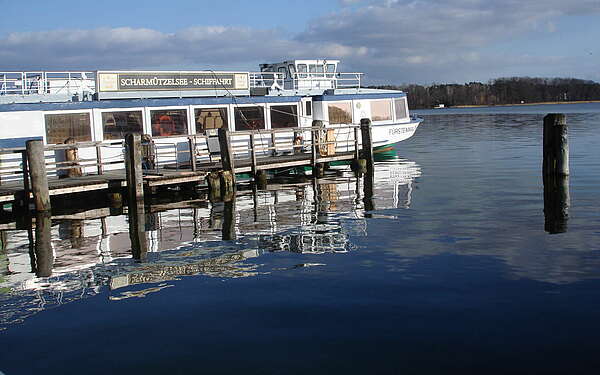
[
  {"x": 315, "y": 145},
  {"x": 135, "y": 195},
  {"x": 227, "y": 159},
  {"x": 367, "y": 143},
  {"x": 555, "y": 171},
  {"x": 133, "y": 168},
  {"x": 556, "y": 145},
  {"x": 369, "y": 177},
  {"x": 37, "y": 172}
]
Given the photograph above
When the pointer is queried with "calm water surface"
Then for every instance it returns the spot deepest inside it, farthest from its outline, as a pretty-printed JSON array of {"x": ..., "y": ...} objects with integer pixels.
[{"x": 452, "y": 271}]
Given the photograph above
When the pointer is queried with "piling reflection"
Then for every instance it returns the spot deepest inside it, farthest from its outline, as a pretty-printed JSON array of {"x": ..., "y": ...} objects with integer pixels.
[
  {"x": 74, "y": 256},
  {"x": 44, "y": 257},
  {"x": 556, "y": 203}
]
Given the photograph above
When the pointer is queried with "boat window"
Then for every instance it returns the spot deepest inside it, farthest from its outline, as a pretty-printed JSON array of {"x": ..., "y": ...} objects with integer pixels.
[
  {"x": 116, "y": 124},
  {"x": 381, "y": 110},
  {"x": 210, "y": 118},
  {"x": 308, "y": 108},
  {"x": 60, "y": 127},
  {"x": 292, "y": 69},
  {"x": 330, "y": 68},
  {"x": 249, "y": 118},
  {"x": 283, "y": 70},
  {"x": 169, "y": 122},
  {"x": 302, "y": 69},
  {"x": 284, "y": 116},
  {"x": 340, "y": 113},
  {"x": 316, "y": 69},
  {"x": 401, "y": 110}
]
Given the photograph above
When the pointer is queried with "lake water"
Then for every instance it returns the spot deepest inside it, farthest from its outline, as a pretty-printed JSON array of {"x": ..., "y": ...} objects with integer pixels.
[{"x": 451, "y": 270}]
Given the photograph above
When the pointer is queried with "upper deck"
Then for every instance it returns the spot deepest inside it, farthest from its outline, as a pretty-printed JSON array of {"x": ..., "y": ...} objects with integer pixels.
[{"x": 293, "y": 77}]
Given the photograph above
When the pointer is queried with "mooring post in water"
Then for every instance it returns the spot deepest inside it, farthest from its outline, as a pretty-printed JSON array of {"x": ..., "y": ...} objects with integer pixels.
[
  {"x": 555, "y": 172},
  {"x": 228, "y": 229},
  {"x": 44, "y": 257},
  {"x": 367, "y": 143},
  {"x": 37, "y": 172},
  {"x": 556, "y": 145},
  {"x": 227, "y": 160},
  {"x": 133, "y": 168}
]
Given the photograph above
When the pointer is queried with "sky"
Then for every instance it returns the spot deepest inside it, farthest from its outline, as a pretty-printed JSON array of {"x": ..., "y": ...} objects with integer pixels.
[{"x": 391, "y": 41}]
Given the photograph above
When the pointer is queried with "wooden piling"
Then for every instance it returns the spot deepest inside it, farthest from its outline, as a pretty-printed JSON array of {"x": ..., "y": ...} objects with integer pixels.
[
  {"x": 37, "y": 171},
  {"x": 227, "y": 159},
  {"x": 133, "y": 168},
  {"x": 367, "y": 143},
  {"x": 556, "y": 145},
  {"x": 315, "y": 145}
]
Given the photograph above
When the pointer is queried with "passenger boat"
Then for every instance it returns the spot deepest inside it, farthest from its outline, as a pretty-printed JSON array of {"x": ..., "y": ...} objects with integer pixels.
[{"x": 105, "y": 105}]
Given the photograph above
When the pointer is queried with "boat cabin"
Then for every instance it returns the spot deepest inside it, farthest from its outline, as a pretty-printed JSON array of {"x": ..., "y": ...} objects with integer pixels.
[{"x": 305, "y": 74}]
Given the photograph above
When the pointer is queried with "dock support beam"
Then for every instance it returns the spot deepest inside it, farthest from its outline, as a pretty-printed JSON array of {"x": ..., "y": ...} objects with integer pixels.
[
  {"x": 369, "y": 177},
  {"x": 133, "y": 168},
  {"x": 315, "y": 146},
  {"x": 367, "y": 143},
  {"x": 555, "y": 171},
  {"x": 135, "y": 195},
  {"x": 37, "y": 172},
  {"x": 227, "y": 159}
]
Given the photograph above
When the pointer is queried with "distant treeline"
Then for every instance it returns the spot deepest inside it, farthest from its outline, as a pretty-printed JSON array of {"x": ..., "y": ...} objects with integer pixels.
[{"x": 513, "y": 90}]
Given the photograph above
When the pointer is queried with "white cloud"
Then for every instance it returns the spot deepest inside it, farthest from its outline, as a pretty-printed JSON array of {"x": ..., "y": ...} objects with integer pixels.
[{"x": 393, "y": 41}]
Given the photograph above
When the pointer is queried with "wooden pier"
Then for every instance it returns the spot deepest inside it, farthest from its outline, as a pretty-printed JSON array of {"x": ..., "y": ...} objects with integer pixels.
[{"x": 35, "y": 173}]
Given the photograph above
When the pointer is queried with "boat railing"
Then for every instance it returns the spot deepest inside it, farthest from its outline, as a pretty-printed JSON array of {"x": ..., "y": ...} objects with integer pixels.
[
  {"x": 47, "y": 83},
  {"x": 326, "y": 80},
  {"x": 266, "y": 80}
]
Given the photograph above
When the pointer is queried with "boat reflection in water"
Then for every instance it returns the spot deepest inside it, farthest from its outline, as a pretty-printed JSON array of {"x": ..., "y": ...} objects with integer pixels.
[{"x": 70, "y": 257}]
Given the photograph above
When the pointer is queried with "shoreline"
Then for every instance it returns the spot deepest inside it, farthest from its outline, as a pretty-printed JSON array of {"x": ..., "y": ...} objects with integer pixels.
[{"x": 522, "y": 104}]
